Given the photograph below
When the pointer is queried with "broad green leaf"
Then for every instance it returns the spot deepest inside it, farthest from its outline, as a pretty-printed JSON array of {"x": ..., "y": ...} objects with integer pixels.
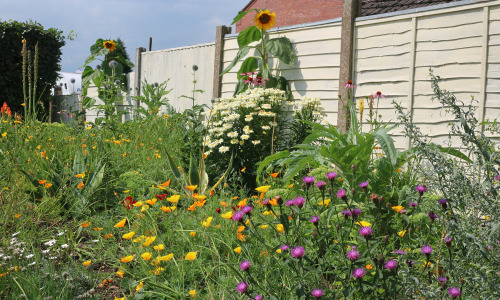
[
  {"x": 88, "y": 102},
  {"x": 241, "y": 53},
  {"x": 194, "y": 175},
  {"x": 249, "y": 35},
  {"x": 281, "y": 48},
  {"x": 249, "y": 64},
  {"x": 240, "y": 15},
  {"x": 387, "y": 144},
  {"x": 454, "y": 152},
  {"x": 240, "y": 87}
]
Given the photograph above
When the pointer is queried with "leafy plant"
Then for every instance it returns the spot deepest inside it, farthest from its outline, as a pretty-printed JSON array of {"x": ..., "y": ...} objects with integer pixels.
[{"x": 153, "y": 96}]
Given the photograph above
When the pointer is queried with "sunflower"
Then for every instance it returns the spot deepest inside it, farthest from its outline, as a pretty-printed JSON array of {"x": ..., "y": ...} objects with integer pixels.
[
  {"x": 265, "y": 19},
  {"x": 111, "y": 45}
]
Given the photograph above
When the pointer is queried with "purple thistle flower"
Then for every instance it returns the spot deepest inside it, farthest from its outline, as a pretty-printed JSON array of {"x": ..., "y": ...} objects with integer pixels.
[
  {"x": 238, "y": 216},
  {"x": 299, "y": 202},
  {"x": 308, "y": 180},
  {"x": 426, "y": 250},
  {"x": 342, "y": 194},
  {"x": 346, "y": 213},
  {"x": 358, "y": 273},
  {"x": 442, "y": 279},
  {"x": 390, "y": 264},
  {"x": 353, "y": 255},
  {"x": 247, "y": 209},
  {"x": 497, "y": 178},
  {"x": 432, "y": 216},
  {"x": 317, "y": 293},
  {"x": 242, "y": 287},
  {"x": 321, "y": 185},
  {"x": 443, "y": 203},
  {"x": 245, "y": 265},
  {"x": 364, "y": 185},
  {"x": 356, "y": 212},
  {"x": 447, "y": 241},
  {"x": 259, "y": 297},
  {"x": 331, "y": 176},
  {"x": 399, "y": 252},
  {"x": 298, "y": 252},
  {"x": 454, "y": 292},
  {"x": 413, "y": 204},
  {"x": 265, "y": 202},
  {"x": 365, "y": 231},
  {"x": 290, "y": 203},
  {"x": 314, "y": 219},
  {"x": 490, "y": 247},
  {"x": 284, "y": 248},
  {"x": 421, "y": 189}
]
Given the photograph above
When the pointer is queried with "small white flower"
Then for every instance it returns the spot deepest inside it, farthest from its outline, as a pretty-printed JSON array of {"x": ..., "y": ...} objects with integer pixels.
[
  {"x": 64, "y": 246},
  {"x": 266, "y": 127},
  {"x": 32, "y": 264},
  {"x": 266, "y": 106},
  {"x": 245, "y": 137},
  {"x": 14, "y": 234},
  {"x": 232, "y": 134},
  {"x": 50, "y": 243},
  {"x": 223, "y": 149},
  {"x": 94, "y": 241},
  {"x": 256, "y": 142},
  {"x": 207, "y": 153},
  {"x": 29, "y": 256},
  {"x": 45, "y": 251},
  {"x": 234, "y": 141},
  {"x": 53, "y": 257},
  {"x": 61, "y": 233},
  {"x": 248, "y": 119},
  {"x": 274, "y": 124}
]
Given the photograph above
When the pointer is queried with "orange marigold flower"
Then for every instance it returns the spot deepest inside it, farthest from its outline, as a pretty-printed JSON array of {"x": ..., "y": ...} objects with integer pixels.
[
  {"x": 85, "y": 224},
  {"x": 369, "y": 267},
  {"x": 274, "y": 175},
  {"x": 81, "y": 185},
  {"x": 42, "y": 181},
  {"x": 87, "y": 262},
  {"x": 121, "y": 223}
]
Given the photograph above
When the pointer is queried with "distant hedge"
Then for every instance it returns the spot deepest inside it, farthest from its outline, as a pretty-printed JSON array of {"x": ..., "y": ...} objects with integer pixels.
[{"x": 49, "y": 42}]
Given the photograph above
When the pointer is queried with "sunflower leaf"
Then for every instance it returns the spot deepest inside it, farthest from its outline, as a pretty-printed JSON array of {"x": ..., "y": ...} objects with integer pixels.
[
  {"x": 249, "y": 64},
  {"x": 249, "y": 35},
  {"x": 281, "y": 48},
  {"x": 240, "y": 15},
  {"x": 241, "y": 53}
]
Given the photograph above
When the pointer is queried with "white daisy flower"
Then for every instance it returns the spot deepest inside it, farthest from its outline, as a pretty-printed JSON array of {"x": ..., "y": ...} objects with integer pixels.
[
  {"x": 50, "y": 243},
  {"x": 32, "y": 264},
  {"x": 266, "y": 106},
  {"x": 234, "y": 141},
  {"x": 245, "y": 137},
  {"x": 29, "y": 256},
  {"x": 223, "y": 149},
  {"x": 232, "y": 134},
  {"x": 14, "y": 234},
  {"x": 256, "y": 142},
  {"x": 64, "y": 246},
  {"x": 266, "y": 127},
  {"x": 45, "y": 251}
]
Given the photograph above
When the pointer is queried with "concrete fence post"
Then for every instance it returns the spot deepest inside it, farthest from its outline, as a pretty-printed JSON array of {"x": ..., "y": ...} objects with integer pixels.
[
  {"x": 137, "y": 76},
  {"x": 221, "y": 31},
  {"x": 349, "y": 13}
]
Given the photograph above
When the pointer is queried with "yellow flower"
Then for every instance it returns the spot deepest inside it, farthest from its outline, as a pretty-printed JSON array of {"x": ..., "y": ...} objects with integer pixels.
[
  {"x": 87, "y": 262},
  {"x": 120, "y": 273},
  {"x": 199, "y": 197},
  {"x": 121, "y": 223},
  {"x": 174, "y": 198},
  {"x": 122, "y": 298},
  {"x": 158, "y": 270},
  {"x": 160, "y": 247},
  {"x": 227, "y": 215},
  {"x": 363, "y": 224},
  {"x": 128, "y": 236},
  {"x": 85, "y": 224},
  {"x": 263, "y": 226},
  {"x": 166, "y": 257},
  {"x": 167, "y": 209},
  {"x": 192, "y": 293},
  {"x": 324, "y": 202},
  {"x": 151, "y": 201},
  {"x": 97, "y": 228},
  {"x": 265, "y": 19},
  {"x": 242, "y": 203},
  {"x": 280, "y": 228},
  {"x": 397, "y": 208},
  {"x": 81, "y": 185},
  {"x": 237, "y": 250},
  {"x": 127, "y": 259},
  {"x": 191, "y": 187},
  {"x": 111, "y": 45},
  {"x": 4, "y": 135},
  {"x": 244, "y": 169},
  {"x": 149, "y": 240},
  {"x": 146, "y": 255},
  {"x": 47, "y": 185},
  {"x": 278, "y": 251},
  {"x": 192, "y": 233},
  {"x": 191, "y": 256},
  {"x": 274, "y": 175},
  {"x": 17, "y": 215},
  {"x": 139, "y": 286},
  {"x": 263, "y": 189},
  {"x": 137, "y": 204},
  {"x": 402, "y": 233},
  {"x": 369, "y": 267}
]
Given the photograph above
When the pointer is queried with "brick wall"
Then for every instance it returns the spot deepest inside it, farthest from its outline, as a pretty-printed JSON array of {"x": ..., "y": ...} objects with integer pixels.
[{"x": 291, "y": 12}]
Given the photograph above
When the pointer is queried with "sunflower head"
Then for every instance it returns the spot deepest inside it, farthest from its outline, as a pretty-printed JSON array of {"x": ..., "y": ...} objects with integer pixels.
[
  {"x": 265, "y": 19},
  {"x": 111, "y": 45}
]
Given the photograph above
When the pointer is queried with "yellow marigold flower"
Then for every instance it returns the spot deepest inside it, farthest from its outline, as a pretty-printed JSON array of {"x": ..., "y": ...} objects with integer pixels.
[
  {"x": 191, "y": 256},
  {"x": 227, "y": 215},
  {"x": 244, "y": 169},
  {"x": 81, "y": 185},
  {"x": 267, "y": 213},
  {"x": 144, "y": 208},
  {"x": 278, "y": 251},
  {"x": 200, "y": 203},
  {"x": 87, "y": 262},
  {"x": 237, "y": 250},
  {"x": 139, "y": 286},
  {"x": 47, "y": 185},
  {"x": 17, "y": 215},
  {"x": 41, "y": 182},
  {"x": 158, "y": 270},
  {"x": 137, "y": 204},
  {"x": 111, "y": 45},
  {"x": 159, "y": 247},
  {"x": 146, "y": 255},
  {"x": 290, "y": 186},
  {"x": 121, "y": 223},
  {"x": 398, "y": 208},
  {"x": 264, "y": 19},
  {"x": 127, "y": 259},
  {"x": 363, "y": 224},
  {"x": 324, "y": 202},
  {"x": 280, "y": 228},
  {"x": 192, "y": 293},
  {"x": 97, "y": 228},
  {"x": 191, "y": 187},
  {"x": 263, "y": 189},
  {"x": 263, "y": 226},
  {"x": 120, "y": 273},
  {"x": 224, "y": 204},
  {"x": 199, "y": 197},
  {"x": 139, "y": 239},
  {"x": 166, "y": 257},
  {"x": 402, "y": 233},
  {"x": 242, "y": 203},
  {"x": 149, "y": 240},
  {"x": 151, "y": 201},
  {"x": 4, "y": 135},
  {"x": 122, "y": 298},
  {"x": 207, "y": 222},
  {"x": 174, "y": 198},
  {"x": 192, "y": 233},
  {"x": 82, "y": 175},
  {"x": 128, "y": 236},
  {"x": 241, "y": 228},
  {"x": 167, "y": 209}
]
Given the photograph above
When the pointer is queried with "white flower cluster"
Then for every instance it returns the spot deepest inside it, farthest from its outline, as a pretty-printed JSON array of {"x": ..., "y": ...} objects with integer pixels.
[
  {"x": 312, "y": 104},
  {"x": 246, "y": 117}
]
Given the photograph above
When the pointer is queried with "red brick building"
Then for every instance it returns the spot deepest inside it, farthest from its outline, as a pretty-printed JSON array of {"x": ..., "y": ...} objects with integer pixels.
[{"x": 292, "y": 12}]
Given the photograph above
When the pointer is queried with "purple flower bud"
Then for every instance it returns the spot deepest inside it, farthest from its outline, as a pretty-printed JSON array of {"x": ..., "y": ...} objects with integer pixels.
[
  {"x": 314, "y": 219},
  {"x": 390, "y": 264},
  {"x": 284, "y": 248},
  {"x": 308, "y": 180},
  {"x": 454, "y": 292},
  {"x": 358, "y": 273},
  {"x": 298, "y": 252},
  {"x": 290, "y": 203},
  {"x": 242, "y": 287},
  {"x": 365, "y": 231},
  {"x": 259, "y": 297},
  {"x": 342, "y": 194},
  {"x": 421, "y": 189},
  {"x": 299, "y": 201},
  {"x": 238, "y": 216},
  {"x": 353, "y": 255},
  {"x": 413, "y": 204},
  {"x": 356, "y": 212},
  {"x": 317, "y": 293},
  {"x": 399, "y": 252},
  {"x": 432, "y": 216},
  {"x": 245, "y": 265},
  {"x": 426, "y": 250},
  {"x": 321, "y": 185},
  {"x": 410, "y": 263},
  {"x": 448, "y": 241},
  {"x": 443, "y": 203},
  {"x": 346, "y": 213},
  {"x": 247, "y": 209},
  {"x": 331, "y": 176},
  {"x": 364, "y": 185},
  {"x": 442, "y": 279}
]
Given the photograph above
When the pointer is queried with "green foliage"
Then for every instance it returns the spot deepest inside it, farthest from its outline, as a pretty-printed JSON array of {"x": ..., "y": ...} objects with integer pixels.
[
  {"x": 50, "y": 41},
  {"x": 153, "y": 96}
]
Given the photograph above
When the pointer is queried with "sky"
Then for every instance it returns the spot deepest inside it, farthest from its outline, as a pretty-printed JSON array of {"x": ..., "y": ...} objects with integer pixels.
[{"x": 171, "y": 23}]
